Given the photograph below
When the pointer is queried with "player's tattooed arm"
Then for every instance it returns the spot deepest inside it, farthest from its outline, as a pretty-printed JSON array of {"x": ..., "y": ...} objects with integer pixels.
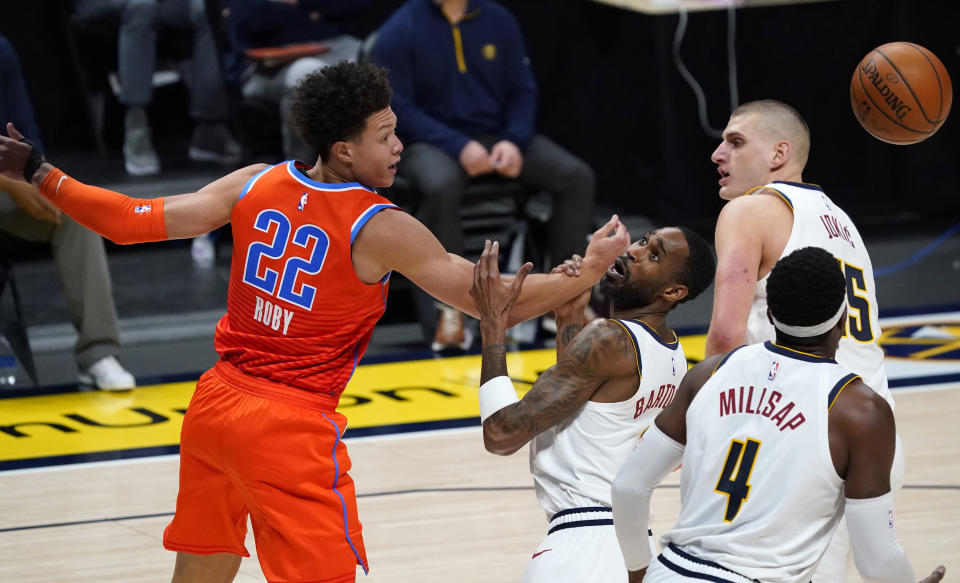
[{"x": 600, "y": 352}]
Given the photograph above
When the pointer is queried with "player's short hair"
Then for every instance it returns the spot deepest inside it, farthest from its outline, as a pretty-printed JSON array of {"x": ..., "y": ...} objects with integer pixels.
[
  {"x": 699, "y": 267},
  {"x": 782, "y": 121},
  {"x": 806, "y": 287},
  {"x": 333, "y": 104}
]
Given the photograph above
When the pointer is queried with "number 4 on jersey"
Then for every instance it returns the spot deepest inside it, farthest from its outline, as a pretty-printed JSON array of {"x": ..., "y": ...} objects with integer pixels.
[{"x": 735, "y": 479}]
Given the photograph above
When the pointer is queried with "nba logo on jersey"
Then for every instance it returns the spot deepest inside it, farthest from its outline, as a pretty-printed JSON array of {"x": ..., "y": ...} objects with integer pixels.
[
  {"x": 673, "y": 363},
  {"x": 140, "y": 209},
  {"x": 826, "y": 202},
  {"x": 774, "y": 367},
  {"x": 303, "y": 202}
]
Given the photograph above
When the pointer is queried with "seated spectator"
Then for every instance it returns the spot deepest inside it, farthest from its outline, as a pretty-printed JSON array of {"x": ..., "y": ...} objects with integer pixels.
[
  {"x": 77, "y": 252},
  {"x": 136, "y": 55},
  {"x": 466, "y": 100},
  {"x": 309, "y": 35}
]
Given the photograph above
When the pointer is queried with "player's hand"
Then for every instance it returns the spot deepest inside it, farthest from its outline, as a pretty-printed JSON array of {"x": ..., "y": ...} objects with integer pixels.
[
  {"x": 507, "y": 159},
  {"x": 606, "y": 244},
  {"x": 935, "y": 576},
  {"x": 636, "y": 576},
  {"x": 28, "y": 198},
  {"x": 575, "y": 307},
  {"x": 570, "y": 267},
  {"x": 495, "y": 298},
  {"x": 475, "y": 159},
  {"x": 13, "y": 154}
]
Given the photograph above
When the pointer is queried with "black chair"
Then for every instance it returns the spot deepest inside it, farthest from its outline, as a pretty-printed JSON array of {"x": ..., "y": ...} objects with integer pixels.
[{"x": 12, "y": 326}]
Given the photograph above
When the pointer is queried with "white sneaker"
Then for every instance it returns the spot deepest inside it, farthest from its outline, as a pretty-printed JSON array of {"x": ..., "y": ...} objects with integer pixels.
[{"x": 108, "y": 375}]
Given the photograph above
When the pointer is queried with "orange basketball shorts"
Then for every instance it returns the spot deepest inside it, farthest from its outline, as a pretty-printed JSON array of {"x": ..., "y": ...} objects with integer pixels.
[{"x": 250, "y": 447}]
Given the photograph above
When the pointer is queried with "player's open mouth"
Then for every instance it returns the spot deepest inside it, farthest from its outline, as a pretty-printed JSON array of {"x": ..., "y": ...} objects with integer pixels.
[{"x": 617, "y": 270}]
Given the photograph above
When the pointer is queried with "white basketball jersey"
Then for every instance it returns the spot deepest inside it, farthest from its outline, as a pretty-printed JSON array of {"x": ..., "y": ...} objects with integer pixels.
[
  {"x": 817, "y": 222},
  {"x": 574, "y": 463},
  {"x": 760, "y": 495}
]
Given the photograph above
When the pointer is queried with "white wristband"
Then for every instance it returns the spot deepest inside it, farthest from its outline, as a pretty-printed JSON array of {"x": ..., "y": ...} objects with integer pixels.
[{"x": 496, "y": 394}]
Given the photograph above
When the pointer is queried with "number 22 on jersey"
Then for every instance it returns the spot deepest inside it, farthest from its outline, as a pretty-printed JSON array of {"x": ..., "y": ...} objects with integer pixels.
[
  {"x": 303, "y": 237},
  {"x": 734, "y": 480}
]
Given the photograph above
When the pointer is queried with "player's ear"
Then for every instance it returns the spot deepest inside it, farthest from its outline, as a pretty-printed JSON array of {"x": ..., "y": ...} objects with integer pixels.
[
  {"x": 342, "y": 151},
  {"x": 781, "y": 155},
  {"x": 675, "y": 292}
]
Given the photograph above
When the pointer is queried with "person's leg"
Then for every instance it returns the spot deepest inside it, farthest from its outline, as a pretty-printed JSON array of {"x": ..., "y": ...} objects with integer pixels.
[
  {"x": 437, "y": 180},
  {"x": 570, "y": 182},
  {"x": 212, "y": 141},
  {"x": 210, "y": 523},
  {"x": 136, "y": 56},
  {"x": 436, "y": 183},
  {"x": 216, "y": 568},
  {"x": 81, "y": 263}
]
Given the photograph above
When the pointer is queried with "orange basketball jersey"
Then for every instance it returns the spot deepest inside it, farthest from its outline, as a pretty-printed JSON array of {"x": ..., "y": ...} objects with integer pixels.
[{"x": 296, "y": 312}]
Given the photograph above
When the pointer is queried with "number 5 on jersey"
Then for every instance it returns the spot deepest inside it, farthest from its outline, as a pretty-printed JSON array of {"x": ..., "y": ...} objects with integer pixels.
[
  {"x": 734, "y": 480},
  {"x": 293, "y": 266}
]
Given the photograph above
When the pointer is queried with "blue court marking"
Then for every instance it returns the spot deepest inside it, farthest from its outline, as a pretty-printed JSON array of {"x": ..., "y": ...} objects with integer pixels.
[{"x": 882, "y": 271}]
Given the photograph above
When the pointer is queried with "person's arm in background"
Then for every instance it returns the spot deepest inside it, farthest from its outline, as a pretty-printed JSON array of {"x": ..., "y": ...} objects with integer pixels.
[
  {"x": 394, "y": 50},
  {"x": 520, "y": 100},
  {"x": 739, "y": 245},
  {"x": 28, "y": 198},
  {"x": 520, "y": 109},
  {"x": 15, "y": 103}
]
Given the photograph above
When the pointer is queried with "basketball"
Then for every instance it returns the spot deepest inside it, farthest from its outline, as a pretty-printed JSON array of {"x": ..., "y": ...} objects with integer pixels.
[{"x": 901, "y": 93}]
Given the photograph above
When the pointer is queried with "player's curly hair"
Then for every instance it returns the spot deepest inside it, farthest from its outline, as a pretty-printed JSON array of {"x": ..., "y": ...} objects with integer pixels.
[
  {"x": 697, "y": 271},
  {"x": 333, "y": 104},
  {"x": 806, "y": 287}
]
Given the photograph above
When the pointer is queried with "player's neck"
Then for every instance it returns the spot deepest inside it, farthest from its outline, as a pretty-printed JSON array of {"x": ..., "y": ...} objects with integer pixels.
[
  {"x": 328, "y": 174},
  {"x": 821, "y": 350},
  {"x": 651, "y": 316},
  {"x": 786, "y": 175},
  {"x": 453, "y": 9}
]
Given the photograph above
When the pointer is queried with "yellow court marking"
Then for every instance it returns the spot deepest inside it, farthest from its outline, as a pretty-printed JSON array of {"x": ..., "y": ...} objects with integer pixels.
[{"x": 398, "y": 393}]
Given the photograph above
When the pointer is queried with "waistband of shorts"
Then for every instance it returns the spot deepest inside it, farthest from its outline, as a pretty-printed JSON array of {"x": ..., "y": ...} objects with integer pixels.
[
  {"x": 578, "y": 517},
  {"x": 683, "y": 563},
  {"x": 266, "y": 389}
]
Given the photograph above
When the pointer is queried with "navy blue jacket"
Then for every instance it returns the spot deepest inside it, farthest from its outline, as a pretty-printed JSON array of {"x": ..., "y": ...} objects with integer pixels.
[
  {"x": 14, "y": 102},
  {"x": 262, "y": 23},
  {"x": 445, "y": 91}
]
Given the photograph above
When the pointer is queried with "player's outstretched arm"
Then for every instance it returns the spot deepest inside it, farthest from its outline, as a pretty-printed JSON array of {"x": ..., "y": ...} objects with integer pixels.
[
  {"x": 862, "y": 444},
  {"x": 600, "y": 352},
  {"x": 118, "y": 217},
  {"x": 396, "y": 241}
]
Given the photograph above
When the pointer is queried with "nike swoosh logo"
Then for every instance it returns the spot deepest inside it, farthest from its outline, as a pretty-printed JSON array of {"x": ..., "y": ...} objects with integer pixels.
[
  {"x": 537, "y": 554},
  {"x": 62, "y": 178}
]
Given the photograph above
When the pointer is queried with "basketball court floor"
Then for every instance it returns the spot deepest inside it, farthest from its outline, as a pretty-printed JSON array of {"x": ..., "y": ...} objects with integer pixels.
[{"x": 88, "y": 480}]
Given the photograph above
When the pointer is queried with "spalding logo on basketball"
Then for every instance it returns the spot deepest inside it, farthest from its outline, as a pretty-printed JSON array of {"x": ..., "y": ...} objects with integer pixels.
[{"x": 901, "y": 93}]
